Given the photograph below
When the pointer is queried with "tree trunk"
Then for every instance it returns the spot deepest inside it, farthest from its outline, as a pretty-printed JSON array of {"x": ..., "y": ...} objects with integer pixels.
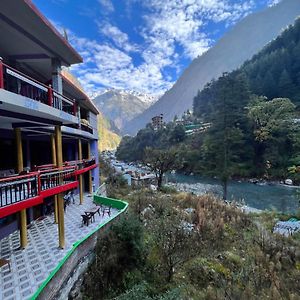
[
  {"x": 225, "y": 184},
  {"x": 159, "y": 181},
  {"x": 170, "y": 273}
]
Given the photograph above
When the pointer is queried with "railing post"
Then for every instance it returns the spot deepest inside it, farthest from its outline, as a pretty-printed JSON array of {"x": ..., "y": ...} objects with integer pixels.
[
  {"x": 74, "y": 108},
  {"x": 1, "y": 74},
  {"x": 50, "y": 96},
  {"x": 39, "y": 184},
  {"x": 80, "y": 176}
]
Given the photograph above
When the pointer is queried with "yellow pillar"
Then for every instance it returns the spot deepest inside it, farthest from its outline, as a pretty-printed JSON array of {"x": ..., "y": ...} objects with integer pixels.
[
  {"x": 19, "y": 150},
  {"x": 54, "y": 161},
  {"x": 90, "y": 172},
  {"x": 23, "y": 218},
  {"x": 80, "y": 176},
  {"x": 60, "y": 199}
]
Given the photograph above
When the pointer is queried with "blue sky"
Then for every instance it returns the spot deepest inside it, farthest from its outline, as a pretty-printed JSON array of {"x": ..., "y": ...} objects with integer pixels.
[{"x": 142, "y": 45}]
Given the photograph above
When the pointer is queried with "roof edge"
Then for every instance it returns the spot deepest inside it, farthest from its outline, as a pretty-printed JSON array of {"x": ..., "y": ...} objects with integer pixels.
[
  {"x": 96, "y": 110},
  {"x": 30, "y": 4}
]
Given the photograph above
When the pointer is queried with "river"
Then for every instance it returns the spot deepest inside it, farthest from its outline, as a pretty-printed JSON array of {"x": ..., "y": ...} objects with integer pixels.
[{"x": 264, "y": 197}]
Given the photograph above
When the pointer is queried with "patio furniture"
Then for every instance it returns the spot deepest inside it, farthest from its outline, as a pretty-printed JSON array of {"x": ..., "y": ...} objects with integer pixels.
[
  {"x": 86, "y": 219},
  {"x": 91, "y": 212},
  {"x": 106, "y": 210},
  {"x": 91, "y": 215},
  {"x": 99, "y": 209},
  {"x": 4, "y": 262}
]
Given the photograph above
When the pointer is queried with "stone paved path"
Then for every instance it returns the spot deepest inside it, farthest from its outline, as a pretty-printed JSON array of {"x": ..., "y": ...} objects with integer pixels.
[{"x": 31, "y": 266}]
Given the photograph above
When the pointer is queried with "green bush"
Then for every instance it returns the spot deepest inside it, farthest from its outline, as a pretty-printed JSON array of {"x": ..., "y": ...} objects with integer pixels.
[
  {"x": 168, "y": 190},
  {"x": 121, "y": 251}
]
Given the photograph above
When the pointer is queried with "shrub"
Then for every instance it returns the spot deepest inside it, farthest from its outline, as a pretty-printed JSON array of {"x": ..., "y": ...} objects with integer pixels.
[{"x": 118, "y": 253}]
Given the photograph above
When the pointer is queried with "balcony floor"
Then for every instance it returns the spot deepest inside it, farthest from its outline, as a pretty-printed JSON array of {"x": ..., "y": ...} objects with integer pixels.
[{"x": 31, "y": 266}]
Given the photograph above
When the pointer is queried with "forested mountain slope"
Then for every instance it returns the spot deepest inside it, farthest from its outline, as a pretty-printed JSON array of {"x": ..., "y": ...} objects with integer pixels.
[
  {"x": 239, "y": 44},
  {"x": 274, "y": 72}
]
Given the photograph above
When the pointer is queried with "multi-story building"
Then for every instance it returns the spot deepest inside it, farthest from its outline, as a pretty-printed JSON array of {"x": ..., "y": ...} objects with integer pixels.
[
  {"x": 158, "y": 122},
  {"x": 48, "y": 125}
]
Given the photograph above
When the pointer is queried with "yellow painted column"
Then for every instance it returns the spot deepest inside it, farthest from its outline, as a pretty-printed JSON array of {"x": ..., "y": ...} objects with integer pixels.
[
  {"x": 80, "y": 176},
  {"x": 23, "y": 218},
  {"x": 54, "y": 161},
  {"x": 60, "y": 199},
  {"x": 90, "y": 172}
]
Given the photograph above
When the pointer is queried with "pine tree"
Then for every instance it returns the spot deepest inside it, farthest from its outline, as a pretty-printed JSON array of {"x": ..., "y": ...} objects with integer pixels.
[
  {"x": 225, "y": 142},
  {"x": 286, "y": 88}
]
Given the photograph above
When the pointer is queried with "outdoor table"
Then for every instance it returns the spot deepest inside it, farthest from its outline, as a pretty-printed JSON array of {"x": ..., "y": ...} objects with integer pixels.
[
  {"x": 91, "y": 212},
  {"x": 86, "y": 219}
]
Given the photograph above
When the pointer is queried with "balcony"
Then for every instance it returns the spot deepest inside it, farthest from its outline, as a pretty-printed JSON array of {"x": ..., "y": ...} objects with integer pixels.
[
  {"x": 19, "y": 83},
  {"x": 18, "y": 188},
  {"x": 85, "y": 126},
  {"x": 20, "y": 192}
]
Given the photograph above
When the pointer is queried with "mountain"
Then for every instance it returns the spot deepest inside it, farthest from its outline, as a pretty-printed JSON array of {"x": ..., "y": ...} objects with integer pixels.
[
  {"x": 121, "y": 106},
  {"x": 274, "y": 73},
  {"x": 108, "y": 140},
  {"x": 239, "y": 44}
]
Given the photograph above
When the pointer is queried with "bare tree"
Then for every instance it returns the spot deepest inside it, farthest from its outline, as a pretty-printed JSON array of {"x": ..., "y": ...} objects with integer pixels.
[
  {"x": 160, "y": 162},
  {"x": 174, "y": 242}
]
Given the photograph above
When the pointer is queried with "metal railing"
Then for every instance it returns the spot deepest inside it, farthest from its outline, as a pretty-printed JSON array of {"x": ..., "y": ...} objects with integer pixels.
[
  {"x": 44, "y": 167},
  {"x": 81, "y": 164},
  {"x": 56, "y": 177},
  {"x": 89, "y": 162},
  {"x": 19, "y": 83},
  {"x": 18, "y": 188},
  {"x": 87, "y": 128}
]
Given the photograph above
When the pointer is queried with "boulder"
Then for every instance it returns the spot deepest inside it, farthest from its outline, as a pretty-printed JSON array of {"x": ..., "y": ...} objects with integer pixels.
[{"x": 288, "y": 182}]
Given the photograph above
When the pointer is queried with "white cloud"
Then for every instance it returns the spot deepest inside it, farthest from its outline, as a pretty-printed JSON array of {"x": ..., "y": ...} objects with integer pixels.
[
  {"x": 119, "y": 38},
  {"x": 107, "y": 5},
  {"x": 273, "y": 2},
  {"x": 183, "y": 21},
  {"x": 170, "y": 30}
]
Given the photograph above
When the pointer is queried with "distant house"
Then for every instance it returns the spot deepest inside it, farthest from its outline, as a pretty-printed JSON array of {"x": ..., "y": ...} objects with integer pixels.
[{"x": 157, "y": 122}]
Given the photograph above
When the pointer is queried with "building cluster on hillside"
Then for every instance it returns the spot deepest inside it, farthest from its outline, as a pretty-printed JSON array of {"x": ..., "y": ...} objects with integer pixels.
[{"x": 194, "y": 128}]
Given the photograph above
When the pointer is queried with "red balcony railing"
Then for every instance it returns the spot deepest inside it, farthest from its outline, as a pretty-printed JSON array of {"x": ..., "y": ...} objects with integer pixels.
[
  {"x": 45, "y": 179},
  {"x": 56, "y": 177},
  {"x": 19, "y": 83},
  {"x": 78, "y": 164},
  {"x": 81, "y": 164},
  {"x": 18, "y": 188}
]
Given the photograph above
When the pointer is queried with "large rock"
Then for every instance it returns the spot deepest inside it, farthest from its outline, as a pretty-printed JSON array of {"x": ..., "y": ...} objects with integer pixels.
[{"x": 288, "y": 182}]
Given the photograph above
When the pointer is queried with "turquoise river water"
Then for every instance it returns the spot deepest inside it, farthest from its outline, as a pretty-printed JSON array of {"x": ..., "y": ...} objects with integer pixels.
[{"x": 277, "y": 197}]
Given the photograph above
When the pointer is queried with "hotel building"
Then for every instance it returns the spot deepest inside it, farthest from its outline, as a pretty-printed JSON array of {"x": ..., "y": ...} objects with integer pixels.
[{"x": 48, "y": 125}]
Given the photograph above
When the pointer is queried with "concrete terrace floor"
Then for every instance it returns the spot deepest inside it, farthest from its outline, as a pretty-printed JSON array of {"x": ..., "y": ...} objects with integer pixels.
[{"x": 31, "y": 266}]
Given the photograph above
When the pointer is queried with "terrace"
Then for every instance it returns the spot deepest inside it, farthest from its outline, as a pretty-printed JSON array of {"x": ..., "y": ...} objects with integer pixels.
[
  {"x": 19, "y": 192},
  {"x": 30, "y": 267}
]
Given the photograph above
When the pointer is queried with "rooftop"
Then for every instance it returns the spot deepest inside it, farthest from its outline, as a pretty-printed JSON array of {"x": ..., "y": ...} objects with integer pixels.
[
  {"x": 25, "y": 25},
  {"x": 31, "y": 266}
]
